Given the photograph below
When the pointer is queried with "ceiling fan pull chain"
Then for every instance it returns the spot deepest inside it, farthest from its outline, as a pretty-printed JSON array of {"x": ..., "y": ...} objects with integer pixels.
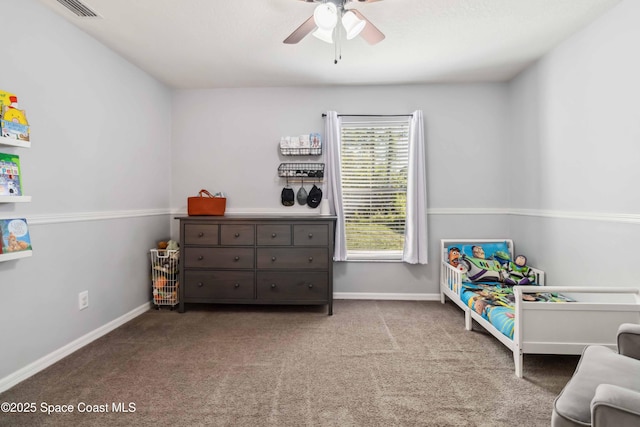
[
  {"x": 335, "y": 46},
  {"x": 338, "y": 47},
  {"x": 340, "y": 44}
]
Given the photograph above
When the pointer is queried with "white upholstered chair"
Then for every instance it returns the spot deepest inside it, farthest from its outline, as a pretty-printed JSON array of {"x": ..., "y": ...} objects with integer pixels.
[{"x": 605, "y": 388}]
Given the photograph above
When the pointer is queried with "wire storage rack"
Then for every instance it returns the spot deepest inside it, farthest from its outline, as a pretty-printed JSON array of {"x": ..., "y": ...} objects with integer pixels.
[
  {"x": 164, "y": 276},
  {"x": 304, "y": 145},
  {"x": 301, "y": 170},
  {"x": 301, "y": 151}
]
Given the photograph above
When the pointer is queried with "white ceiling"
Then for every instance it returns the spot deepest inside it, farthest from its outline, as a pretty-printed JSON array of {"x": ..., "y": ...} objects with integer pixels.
[{"x": 238, "y": 43}]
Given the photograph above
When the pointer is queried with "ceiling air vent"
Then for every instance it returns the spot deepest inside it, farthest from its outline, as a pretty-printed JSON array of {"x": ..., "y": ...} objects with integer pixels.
[{"x": 78, "y": 8}]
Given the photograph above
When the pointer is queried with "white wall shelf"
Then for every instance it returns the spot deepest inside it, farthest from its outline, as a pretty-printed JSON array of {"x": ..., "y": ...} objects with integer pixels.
[
  {"x": 15, "y": 255},
  {"x": 14, "y": 142},
  {"x": 15, "y": 199}
]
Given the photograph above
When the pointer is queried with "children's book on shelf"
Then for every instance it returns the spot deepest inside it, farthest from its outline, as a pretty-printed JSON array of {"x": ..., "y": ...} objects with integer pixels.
[
  {"x": 13, "y": 120},
  {"x": 14, "y": 235},
  {"x": 5, "y": 98},
  {"x": 10, "y": 178},
  {"x": 14, "y": 130}
]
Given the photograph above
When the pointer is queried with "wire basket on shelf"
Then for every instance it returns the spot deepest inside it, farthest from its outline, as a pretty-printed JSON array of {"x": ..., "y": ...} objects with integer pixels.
[
  {"x": 301, "y": 151},
  {"x": 304, "y": 145},
  {"x": 164, "y": 276},
  {"x": 304, "y": 170}
]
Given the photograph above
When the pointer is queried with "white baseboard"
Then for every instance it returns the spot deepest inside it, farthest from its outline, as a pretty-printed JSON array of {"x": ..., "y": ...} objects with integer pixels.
[
  {"x": 386, "y": 296},
  {"x": 44, "y": 362}
]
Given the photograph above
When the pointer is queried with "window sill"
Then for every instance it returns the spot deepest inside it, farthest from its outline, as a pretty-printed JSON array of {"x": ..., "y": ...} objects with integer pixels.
[{"x": 365, "y": 256}]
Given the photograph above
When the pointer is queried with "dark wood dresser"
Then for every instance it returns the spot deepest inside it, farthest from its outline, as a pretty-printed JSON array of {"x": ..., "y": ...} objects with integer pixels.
[{"x": 256, "y": 259}]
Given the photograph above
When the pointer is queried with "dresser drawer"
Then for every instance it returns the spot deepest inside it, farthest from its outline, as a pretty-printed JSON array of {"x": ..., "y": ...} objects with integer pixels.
[
  {"x": 310, "y": 235},
  {"x": 200, "y": 234},
  {"x": 236, "y": 234},
  {"x": 218, "y": 257},
  {"x": 218, "y": 284},
  {"x": 292, "y": 286},
  {"x": 274, "y": 235},
  {"x": 298, "y": 258}
]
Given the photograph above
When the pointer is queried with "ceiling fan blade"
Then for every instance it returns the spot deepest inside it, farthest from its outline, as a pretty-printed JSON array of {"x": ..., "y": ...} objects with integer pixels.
[
  {"x": 300, "y": 32},
  {"x": 370, "y": 33}
]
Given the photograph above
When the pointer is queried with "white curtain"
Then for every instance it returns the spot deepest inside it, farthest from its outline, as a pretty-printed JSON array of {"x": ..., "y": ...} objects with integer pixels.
[
  {"x": 334, "y": 181},
  {"x": 415, "y": 238}
]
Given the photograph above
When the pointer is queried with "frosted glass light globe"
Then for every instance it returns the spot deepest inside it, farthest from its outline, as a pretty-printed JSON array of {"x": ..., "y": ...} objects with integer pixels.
[
  {"x": 352, "y": 24},
  {"x": 326, "y": 16},
  {"x": 324, "y": 35}
]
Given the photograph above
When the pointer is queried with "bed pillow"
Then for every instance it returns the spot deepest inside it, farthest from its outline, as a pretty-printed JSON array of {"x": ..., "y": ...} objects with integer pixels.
[
  {"x": 482, "y": 265},
  {"x": 494, "y": 250}
]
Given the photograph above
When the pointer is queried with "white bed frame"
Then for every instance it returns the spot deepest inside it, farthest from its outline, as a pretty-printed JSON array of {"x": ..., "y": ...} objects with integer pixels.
[{"x": 546, "y": 327}]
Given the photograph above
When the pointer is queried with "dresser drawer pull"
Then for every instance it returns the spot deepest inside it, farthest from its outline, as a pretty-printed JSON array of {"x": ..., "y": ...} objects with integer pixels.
[
  {"x": 273, "y": 235},
  {"x": 310, "y": 259},
  {"x": 310, "y": 285},
  {"x": 237, "y": 285},
  {"x": 237, "y": 258},
  {"x": 200, "y": 284},
  {"x": 236, "y": 235},
  {"x": 200, "y": 257},
  {"x": 273, "y": 285},
  {"x": 201, "y": 234},
  {"x": 311, "y": 235}
]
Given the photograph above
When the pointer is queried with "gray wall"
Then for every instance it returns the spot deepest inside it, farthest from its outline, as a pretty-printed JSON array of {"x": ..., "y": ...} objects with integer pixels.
[
  {"x": 227, "y": 140},
  {"x": 98, "y": 172},
  {"x": 574, "y": 153}
]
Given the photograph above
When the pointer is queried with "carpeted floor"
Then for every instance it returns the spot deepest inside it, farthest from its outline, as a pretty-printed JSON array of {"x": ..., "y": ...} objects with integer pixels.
[{"x": 373, "y": 363}]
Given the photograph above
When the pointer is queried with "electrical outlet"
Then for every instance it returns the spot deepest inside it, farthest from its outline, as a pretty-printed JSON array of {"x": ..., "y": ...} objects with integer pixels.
[{"x": 83, "y": 300}]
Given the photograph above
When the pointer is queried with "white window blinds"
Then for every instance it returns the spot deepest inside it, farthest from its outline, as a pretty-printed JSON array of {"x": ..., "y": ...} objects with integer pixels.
[{"x": 374, "y": 162}]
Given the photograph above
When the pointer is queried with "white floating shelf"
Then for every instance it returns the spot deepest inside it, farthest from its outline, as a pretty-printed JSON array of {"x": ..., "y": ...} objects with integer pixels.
[
  {"x": 15, "y": 199},
  {"x": 15, "y": 255},
  {"x": 14, "y": 142}
]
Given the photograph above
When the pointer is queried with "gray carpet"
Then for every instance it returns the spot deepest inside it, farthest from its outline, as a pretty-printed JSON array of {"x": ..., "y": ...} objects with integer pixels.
[{"x": 373, "y": 363}]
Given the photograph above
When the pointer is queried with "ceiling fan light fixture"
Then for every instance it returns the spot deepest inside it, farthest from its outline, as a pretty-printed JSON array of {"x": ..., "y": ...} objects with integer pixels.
[
  {"x": 352, "y": 24},
  {"x": 324, "y": 35},
  {"x": 326, "y": 16}
]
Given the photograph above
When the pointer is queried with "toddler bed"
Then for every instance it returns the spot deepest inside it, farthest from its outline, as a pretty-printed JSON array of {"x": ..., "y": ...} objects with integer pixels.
[{"x": 507, "y": 297}]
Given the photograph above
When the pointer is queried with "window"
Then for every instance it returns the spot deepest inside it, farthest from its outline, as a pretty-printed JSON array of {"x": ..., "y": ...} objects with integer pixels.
[{"x": 374, "y": 163}]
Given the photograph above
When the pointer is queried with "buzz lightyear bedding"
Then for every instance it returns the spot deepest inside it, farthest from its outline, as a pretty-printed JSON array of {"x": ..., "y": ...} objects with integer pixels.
[
  {"x": 495, "y": 302},
  {"x": 489, "y": 274}
]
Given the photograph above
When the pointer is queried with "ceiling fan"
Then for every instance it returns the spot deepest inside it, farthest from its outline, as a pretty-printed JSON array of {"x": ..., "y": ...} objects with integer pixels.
[{"x": 323, "y": 23}]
